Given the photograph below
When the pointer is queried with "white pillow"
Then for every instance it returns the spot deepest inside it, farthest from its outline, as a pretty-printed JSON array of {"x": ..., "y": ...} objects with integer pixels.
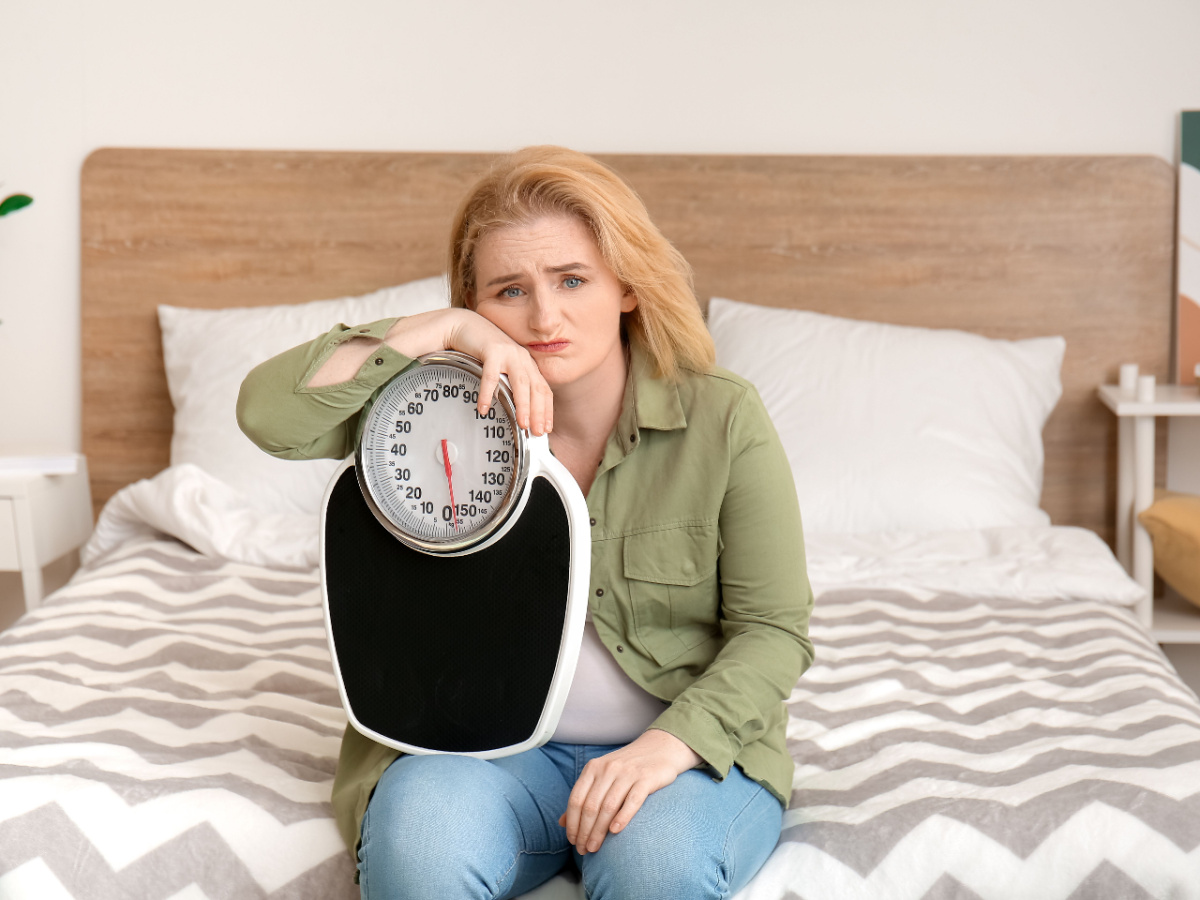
[
  {"x": 209, "y": 351},
  {"x": 892, "y": 428}
]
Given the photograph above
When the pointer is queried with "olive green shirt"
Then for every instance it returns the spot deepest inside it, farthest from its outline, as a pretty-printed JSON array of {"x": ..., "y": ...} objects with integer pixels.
[{"x": 698, "y": 582}]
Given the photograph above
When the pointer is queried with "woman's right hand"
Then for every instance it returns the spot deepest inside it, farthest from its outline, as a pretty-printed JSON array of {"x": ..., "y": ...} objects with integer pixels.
[{"x": 469, "y": 332}]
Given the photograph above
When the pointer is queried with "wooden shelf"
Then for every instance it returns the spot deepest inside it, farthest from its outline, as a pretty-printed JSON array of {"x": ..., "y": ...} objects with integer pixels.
[{"x": 1169, "y": 400}]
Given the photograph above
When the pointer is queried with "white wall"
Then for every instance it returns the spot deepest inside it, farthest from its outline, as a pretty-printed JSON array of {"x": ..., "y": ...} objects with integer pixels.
[{"x": 836, "y": 76}]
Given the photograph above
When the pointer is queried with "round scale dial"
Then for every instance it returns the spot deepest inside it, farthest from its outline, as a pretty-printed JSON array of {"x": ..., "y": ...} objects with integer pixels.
[{"x": 437, "y": 474}]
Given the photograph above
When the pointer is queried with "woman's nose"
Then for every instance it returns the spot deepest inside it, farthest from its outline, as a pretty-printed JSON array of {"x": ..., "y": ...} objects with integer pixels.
[{"x": 543, "y": 313}]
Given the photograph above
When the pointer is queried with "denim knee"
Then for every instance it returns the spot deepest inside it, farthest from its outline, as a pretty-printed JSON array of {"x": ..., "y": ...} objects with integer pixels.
[{"x": 435, "y": 829}]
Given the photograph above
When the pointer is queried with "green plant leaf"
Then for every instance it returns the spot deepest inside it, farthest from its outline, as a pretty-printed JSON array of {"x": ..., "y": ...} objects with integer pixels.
[{"x": 13, "y": 203}]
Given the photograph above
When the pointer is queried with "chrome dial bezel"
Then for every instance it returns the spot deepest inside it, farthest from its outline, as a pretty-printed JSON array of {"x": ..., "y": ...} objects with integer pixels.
[{"x": 477, "y": 537}]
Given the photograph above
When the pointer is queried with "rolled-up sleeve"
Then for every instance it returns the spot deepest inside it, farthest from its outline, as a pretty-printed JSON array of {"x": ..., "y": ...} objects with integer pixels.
[{"x": 279, "y": 412}]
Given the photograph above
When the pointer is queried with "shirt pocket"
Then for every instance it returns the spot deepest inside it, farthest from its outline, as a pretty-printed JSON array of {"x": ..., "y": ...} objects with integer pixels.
[{"x": 673, "y": 588}]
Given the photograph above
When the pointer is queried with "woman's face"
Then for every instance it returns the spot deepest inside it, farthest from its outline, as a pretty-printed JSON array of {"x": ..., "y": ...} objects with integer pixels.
[{"x": 547, "y": 287}]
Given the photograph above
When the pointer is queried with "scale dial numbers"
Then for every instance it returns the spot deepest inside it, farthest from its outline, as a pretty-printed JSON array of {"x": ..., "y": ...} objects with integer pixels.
[{"x": 421, "y": 417}]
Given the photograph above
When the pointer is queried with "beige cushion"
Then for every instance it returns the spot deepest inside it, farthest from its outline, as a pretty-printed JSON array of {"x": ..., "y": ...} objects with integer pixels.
[{"x": 1174, "y": 525}]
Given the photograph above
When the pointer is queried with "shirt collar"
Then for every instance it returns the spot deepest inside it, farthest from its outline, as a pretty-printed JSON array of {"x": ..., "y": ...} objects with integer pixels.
[{"x": 649, "y": 402}]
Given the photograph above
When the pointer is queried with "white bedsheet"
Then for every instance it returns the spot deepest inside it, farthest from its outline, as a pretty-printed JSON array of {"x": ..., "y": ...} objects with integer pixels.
[
  {"x": 1031, "y": 563},
  {"x": 186, "y": 502}
]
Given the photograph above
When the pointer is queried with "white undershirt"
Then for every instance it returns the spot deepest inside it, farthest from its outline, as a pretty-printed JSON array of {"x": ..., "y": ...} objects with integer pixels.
[{"x": 604, "y": 705}]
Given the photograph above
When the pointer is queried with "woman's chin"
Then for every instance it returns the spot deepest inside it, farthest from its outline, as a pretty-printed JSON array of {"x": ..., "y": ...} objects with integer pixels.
[
  {"x": 559, "y": 373},
  {"x": 572, "y": 371}
]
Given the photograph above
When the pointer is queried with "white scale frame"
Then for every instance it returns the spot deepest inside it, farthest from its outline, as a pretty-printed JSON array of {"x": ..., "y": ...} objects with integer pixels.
[{"x": 541, "y": 464}]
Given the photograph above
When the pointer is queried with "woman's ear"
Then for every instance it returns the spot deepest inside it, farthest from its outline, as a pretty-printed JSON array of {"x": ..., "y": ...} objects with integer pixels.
[{"x": 629, "y": 300}]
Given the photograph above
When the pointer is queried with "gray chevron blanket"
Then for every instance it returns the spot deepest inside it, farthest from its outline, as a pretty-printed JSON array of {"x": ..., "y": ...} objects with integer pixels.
[{"x": 169, "y": 727}]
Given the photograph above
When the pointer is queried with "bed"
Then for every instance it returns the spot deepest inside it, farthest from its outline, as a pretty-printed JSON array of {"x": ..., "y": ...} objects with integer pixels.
[{"x": 985, "y": 717}]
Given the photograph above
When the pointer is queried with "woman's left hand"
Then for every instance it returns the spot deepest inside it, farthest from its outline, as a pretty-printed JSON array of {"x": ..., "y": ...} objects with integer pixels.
[{"x": 612, "y": 788}]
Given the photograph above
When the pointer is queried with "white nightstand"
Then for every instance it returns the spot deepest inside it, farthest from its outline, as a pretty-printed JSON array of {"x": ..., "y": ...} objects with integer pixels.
[
  {"x": 42, "y": 517},
  {"x": 1137, "y": 404}
]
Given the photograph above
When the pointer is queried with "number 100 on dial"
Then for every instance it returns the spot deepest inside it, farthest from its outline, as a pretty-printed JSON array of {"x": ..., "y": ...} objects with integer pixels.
[{"x": 437, "y": 474}]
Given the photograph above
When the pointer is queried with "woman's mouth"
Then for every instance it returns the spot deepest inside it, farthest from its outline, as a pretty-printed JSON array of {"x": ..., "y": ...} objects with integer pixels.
[{"x": 550, "y": 347}]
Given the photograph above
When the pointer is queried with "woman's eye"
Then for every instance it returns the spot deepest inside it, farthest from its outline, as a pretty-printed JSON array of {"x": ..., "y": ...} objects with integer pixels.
[
  {"x": 572, "y": 281},
  {"x": 511, "y": 293}
]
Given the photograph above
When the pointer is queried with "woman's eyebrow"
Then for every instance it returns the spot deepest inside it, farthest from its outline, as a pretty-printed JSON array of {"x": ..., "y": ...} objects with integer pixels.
[{"x": 553, "y": 270}]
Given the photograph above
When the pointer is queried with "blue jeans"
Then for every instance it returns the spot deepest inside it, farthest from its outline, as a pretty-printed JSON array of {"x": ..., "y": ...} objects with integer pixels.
[{"x": 460, "y": 828}]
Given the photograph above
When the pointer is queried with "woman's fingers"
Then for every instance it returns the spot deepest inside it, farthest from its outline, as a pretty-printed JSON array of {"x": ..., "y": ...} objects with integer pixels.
[
  {"x": 594, "y": 800},
  {"x": 633, "y": 802},
  {"x": 596, "y": 805},
  {"x": 488, "y": 382},
  {"x": 541, "y": 405},
  {"x": 533, "y": 396},
  {"x": 611, "y": 796},
  {"x": 570, "y": 819},
  {"x": 518, "y": 381},
  {"x": 500, "y": 354},
  {"x": 615, "y": 800}
]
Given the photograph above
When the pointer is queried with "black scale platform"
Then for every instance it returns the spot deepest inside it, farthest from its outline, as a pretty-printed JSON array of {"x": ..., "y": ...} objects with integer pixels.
[{"x": 452, "y": 654}]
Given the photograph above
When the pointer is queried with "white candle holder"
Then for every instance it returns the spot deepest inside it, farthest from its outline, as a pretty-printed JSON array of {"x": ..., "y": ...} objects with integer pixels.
[
  {"x": 1129, "y": 377},
  {"x": 1145, "y": 389}
]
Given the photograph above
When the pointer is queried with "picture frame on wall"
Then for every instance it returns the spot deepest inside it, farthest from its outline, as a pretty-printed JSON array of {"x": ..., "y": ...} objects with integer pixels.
[{"x": 1187, "y": 321}]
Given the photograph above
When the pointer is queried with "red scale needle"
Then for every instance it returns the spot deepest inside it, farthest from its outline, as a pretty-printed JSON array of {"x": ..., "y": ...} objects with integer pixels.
[{"x": 450, "y": 481}]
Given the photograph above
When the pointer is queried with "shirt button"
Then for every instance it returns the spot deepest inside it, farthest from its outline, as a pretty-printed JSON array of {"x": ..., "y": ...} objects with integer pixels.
[
  {"x": 599, "y": 592},
  {"x": 633, "y": 437},
  {"x": 620, "y": 648},
  {"x": 593, "y": 521},
  {"x": 379, "y": 360}
]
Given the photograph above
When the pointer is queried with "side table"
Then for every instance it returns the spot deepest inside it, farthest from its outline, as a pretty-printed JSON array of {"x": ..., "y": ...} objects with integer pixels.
[
  {"x": 42, "y": 517},
  {"x": 1137, "y": 402}
]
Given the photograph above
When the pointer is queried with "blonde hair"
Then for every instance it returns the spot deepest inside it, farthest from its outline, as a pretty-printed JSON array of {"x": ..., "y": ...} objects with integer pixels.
[{"x": 539, "y": 181}]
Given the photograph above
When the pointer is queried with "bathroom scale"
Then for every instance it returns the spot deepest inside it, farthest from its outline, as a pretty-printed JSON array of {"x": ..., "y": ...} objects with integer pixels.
[{"x": 455, "y": 560}]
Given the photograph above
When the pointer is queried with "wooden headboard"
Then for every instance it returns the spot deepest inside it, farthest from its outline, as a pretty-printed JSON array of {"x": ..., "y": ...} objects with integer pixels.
[{"x": 1008, "y": 247}]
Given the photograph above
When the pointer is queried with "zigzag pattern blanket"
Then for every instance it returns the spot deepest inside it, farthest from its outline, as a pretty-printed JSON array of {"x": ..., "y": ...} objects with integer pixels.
[{"x": 169, "y": 727}]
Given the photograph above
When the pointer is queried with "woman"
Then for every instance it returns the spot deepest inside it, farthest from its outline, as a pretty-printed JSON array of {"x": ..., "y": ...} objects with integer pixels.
[{"x": 668, "y": 773}]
